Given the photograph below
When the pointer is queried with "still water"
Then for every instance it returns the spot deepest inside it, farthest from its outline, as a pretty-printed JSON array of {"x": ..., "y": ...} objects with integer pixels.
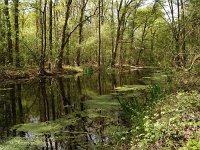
[{"x": 67, "y": 112}]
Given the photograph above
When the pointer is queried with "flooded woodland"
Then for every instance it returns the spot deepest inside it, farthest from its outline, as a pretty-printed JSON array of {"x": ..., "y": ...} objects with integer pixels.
[
  {"x": 99, "y": 75},
  {"x": 69, "y": 112}
]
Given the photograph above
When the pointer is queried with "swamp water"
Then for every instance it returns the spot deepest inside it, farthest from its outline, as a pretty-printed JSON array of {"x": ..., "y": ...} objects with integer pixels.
[{"x": 72, "y": 112}]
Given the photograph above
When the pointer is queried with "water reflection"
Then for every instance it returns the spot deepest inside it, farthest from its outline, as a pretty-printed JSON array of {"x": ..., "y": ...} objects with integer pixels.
[{"x": 48, "y": 99}]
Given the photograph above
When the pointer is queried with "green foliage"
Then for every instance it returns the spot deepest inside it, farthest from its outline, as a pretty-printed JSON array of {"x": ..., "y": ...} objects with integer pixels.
[
  {"x": 129, "y": 88},
  {"x": 88, "y": 70},
  {"x": 48, "y": 127},
  {"x": 174, "y": 123},
  {"x": 138, "y": 105},
  {"x": 19, "y": 143}
]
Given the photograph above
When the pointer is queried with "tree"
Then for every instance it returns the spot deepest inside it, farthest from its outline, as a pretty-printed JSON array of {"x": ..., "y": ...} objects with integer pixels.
[
  {"x": 121, "y": 16},
  {"x": 9, "y": 33},
  {"x": 17, "y": 59},
  {"x": 151, "y": 15},
  {"x": 43, "y": 36},
  {"x": 50, "y": 34},
  {"x": 2, "y": 37},
  {"x": 65, "y": 35},
  {"x": 82, "y": 11},
  {"x": 99, "y": 34}
]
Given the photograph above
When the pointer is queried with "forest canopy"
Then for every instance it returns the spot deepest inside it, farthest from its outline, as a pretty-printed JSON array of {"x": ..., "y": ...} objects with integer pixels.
[{"x": 53, "y": 33}]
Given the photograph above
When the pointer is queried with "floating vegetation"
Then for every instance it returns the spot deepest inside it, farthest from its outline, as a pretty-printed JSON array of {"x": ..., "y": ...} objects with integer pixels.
[
  {"x": 160, "y": 77},
  {"x": 47, "y": 127},
  {"x": 19, "y": 143},
  {"x": 129, "y": 88},
  {"x": 88, "y": 70},
  {"x": 72, "y": 126},
  {"x": 103, "y": 102}
]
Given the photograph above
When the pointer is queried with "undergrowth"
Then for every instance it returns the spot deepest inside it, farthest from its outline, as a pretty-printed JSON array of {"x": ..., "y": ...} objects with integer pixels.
[{"x": 174, "y": 123}]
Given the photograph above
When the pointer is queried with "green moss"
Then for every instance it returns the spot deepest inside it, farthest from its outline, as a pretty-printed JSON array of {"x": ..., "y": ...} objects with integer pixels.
[
  {"x": 127, "y": 88},
  {"x": 93, "y": 113},
  {"x": 72, "y": 69},
  {"x": 159, "y": 76},
  {"x": 19, "y": 143},
  {"x": 104, "y": 102},
  {"x": 89, "y": 93},
  {"x": 47, "y": 127}
]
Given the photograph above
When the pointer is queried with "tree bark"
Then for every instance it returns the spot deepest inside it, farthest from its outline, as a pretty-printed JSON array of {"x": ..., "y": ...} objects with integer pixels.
[
  {"x": 65, "y": 38},
  {"x": 9, "y": 33},
  {"x": 43, "y": 37},
  {"x": 121, "y": 19},
  {"x": 17, "y": 54},
  {"x": 2, "y": 39},
  {"x": 50, "y": 34},
  {"x": 84, "y": 3},
  {"x": 99, "y": 35}
]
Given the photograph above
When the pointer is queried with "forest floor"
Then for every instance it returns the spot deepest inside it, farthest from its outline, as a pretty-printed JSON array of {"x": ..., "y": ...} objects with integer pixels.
[
  {"x": 174, "y": 121},
  {"x": 33, "y": 72},
  {"x": 173, "y": 124}
]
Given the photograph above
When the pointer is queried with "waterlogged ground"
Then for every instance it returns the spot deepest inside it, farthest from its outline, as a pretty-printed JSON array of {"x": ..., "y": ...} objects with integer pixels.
[{"x": 73, "y": 112}]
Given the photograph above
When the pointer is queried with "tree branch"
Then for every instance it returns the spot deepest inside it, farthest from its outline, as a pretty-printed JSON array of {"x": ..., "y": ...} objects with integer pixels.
[{"x": 69, "y": 35}]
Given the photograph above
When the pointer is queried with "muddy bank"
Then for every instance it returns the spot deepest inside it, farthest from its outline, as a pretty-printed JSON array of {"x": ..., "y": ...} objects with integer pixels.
[{"x": 28, "y": 73}]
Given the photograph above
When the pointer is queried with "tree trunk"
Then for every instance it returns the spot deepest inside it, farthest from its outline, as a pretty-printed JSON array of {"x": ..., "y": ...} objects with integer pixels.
[
  {"x": 50, "y": 34},
  {"x": 99, "y": 35},
  {"x": 84, "y": 3},
  {"x": 43, "y": 37},
  {"x": 121, "y": 19},
  {"x": 9, "y": 33},
  {"x": 183, "y": 35},
  {"x": 113, "y": 29},
  {"x": 121, "y": 45},
  {"x": 2, "y": 39},
  {"x": 142, "y": 42},
  {"x": 65, "y": 38},
  {"x": 17, "y": 54}
]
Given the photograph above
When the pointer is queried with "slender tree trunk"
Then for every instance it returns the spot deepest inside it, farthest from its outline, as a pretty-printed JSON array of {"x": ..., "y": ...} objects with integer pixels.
[
  {"x": 103, "y": 49},
  {"x": 183, "y": 34},
  {"x": 50, "y": 34},
  {"x": 65, "y": 38},
  {"x": 84, "y": 3},
  {"x": 45, "y": 33},
  {"x": 2, "y": 39},
  {"x": 99, "y": 35},
  {"x": 55, "y": 19},
  {"x": 43, "y": 37},
  {"x": 122, "y": 51},
  {"x": 67, "y": 61},
  {"x": 99, "y": 83},
  {"x": 144, "y": 33},
  {"x": 121, "y": 15},
  {"x": 9, "y": 33},
  {"x": 113, "y": 30},
  {"x": 17, "y": 54},
  {"x": 142, "y": 42},
  {"x": 42, "y": 70}
]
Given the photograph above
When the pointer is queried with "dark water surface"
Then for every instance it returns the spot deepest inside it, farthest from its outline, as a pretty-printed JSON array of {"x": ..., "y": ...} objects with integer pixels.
[{"x": 69, "y": 112}]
